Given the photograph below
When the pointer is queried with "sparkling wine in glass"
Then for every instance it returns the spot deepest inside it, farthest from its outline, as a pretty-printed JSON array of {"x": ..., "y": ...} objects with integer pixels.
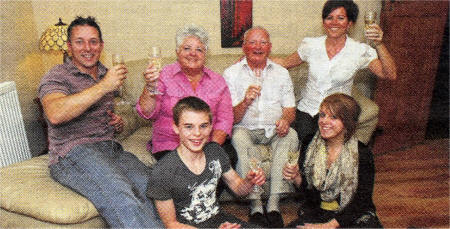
[
  {"x": 254, "y": 155},
  {"x": 369, "y": 19},
  {"x": 156, "y": 60},
  {"x": 292, "y": 159},
  {"x": 258, "y": 77},
  {"x": 257, "y": 81},
  {"x": 116, "y": 60}
]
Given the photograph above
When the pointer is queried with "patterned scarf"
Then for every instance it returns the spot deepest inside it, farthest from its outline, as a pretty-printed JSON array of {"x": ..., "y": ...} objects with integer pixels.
[{"x": 342, "y": 176}]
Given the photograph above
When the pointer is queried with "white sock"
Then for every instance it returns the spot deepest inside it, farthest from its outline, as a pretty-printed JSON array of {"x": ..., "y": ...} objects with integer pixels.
[
  {"x": 256, "y": 206},
  {"x": 273, "y": 203}
]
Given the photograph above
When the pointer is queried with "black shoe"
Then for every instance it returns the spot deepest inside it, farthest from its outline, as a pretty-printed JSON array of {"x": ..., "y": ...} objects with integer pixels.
[
  {"x": 275, "y": 220},
  {"x": 258, "y": 219}
]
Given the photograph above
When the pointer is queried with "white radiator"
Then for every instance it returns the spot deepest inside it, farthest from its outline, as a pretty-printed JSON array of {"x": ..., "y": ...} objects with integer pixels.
[{"x": 13, "y": 139}]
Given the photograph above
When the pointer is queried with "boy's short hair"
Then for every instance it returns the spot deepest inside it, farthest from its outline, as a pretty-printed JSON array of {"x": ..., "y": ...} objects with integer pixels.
[{"x": 190, "y": 103}]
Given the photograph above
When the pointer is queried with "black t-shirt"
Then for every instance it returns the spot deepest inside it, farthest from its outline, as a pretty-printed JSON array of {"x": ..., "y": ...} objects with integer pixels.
[{"x": 194, "y": 195}]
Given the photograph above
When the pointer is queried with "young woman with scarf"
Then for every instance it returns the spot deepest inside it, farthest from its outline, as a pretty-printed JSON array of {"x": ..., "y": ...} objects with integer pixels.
[{"x": 335, "y": 172}]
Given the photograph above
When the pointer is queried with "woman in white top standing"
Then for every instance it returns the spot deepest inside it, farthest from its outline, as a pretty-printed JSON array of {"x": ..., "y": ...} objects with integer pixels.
[{"x": 334, "y": 59}]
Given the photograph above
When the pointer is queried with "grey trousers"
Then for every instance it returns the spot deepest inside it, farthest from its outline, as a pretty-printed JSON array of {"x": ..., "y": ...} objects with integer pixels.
[{"x": 244, "y": 138}]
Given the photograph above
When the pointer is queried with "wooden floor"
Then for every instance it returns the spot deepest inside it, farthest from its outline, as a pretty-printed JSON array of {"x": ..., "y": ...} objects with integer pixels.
[{"x": 411, "y": 188}]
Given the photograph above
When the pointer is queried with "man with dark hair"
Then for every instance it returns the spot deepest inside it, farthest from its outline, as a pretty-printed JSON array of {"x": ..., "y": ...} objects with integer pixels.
[
  {"x": 90, "y": 21},
  {"x": 77, "y": 98}
]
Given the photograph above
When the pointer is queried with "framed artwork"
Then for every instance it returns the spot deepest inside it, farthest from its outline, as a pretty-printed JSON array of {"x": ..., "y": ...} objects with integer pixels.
[{"x": 235, "y": 19}]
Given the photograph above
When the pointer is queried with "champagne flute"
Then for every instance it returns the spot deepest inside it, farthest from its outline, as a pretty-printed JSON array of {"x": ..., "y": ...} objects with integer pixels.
[
  {"x": 257, "y": 81},
  {"x": 116, "y": 60},
  {"x": 292, "y": 159},
  {"x": 369, "y": 19},
  {"x": 156, "y": 60},
  {"x": 255, "y": 163}
]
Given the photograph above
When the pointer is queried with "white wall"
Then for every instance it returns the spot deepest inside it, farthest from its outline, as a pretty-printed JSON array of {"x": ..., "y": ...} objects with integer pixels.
[
  {"x": 21, "y": 62},
  {"x": 131, "y": 26}
]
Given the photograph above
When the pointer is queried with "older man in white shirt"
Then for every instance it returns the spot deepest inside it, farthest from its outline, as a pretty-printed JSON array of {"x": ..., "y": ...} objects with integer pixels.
[{"x": 264, "y": 107}]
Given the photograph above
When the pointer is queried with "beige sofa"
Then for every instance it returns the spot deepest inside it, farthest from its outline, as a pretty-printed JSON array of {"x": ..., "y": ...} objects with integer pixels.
[{"x": 30, "y": 198}]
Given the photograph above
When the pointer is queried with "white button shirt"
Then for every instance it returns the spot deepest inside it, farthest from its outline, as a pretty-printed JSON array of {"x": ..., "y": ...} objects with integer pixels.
[
  {"x": 327, "y": 76},
  {"x": 277, "y": 92}
]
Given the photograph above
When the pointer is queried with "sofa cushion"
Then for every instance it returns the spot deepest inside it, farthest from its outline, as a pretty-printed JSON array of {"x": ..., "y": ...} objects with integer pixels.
[
  {"x": 28, "y": 189},
  {"x": 128, "y": 114},
  {"x": 16, "y": 220},
  {"x": 137, "y": 144}
]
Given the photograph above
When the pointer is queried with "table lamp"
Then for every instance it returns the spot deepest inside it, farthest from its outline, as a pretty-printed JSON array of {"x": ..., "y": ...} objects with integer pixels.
[{"x": 55, "y": 39}]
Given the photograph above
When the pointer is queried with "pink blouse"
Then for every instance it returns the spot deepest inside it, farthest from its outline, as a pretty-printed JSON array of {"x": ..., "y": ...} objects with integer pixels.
[{"x": 174, "y": 85}]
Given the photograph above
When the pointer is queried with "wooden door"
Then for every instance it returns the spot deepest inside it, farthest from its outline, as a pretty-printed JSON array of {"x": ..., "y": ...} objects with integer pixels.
[{"x": 413, "y": 32}]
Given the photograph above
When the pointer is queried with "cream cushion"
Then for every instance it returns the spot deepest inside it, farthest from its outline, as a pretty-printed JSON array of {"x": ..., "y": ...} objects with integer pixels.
[{"x": 28, "y": 189}]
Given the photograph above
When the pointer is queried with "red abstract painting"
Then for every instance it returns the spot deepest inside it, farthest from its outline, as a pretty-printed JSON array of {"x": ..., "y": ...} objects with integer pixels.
[{"x": 235, "y": 19}]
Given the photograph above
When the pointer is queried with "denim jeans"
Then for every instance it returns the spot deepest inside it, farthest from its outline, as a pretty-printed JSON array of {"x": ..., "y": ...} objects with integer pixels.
[{"x": 114, "y": 180}]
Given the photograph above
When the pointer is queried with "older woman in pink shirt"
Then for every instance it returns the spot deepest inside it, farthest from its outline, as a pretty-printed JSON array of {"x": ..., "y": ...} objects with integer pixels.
[{"x": 186, "y": 77}]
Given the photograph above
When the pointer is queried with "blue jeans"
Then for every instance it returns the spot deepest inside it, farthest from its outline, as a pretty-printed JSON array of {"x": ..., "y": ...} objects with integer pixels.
[{"x": 114, "y": 180}]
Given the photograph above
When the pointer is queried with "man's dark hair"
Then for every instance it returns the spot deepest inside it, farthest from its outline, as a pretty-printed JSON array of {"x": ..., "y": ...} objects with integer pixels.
[
  {"x": 350, "y": 7},
  {"x": 190, "y": 103},
  {"x": 90, "y": 21}
]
